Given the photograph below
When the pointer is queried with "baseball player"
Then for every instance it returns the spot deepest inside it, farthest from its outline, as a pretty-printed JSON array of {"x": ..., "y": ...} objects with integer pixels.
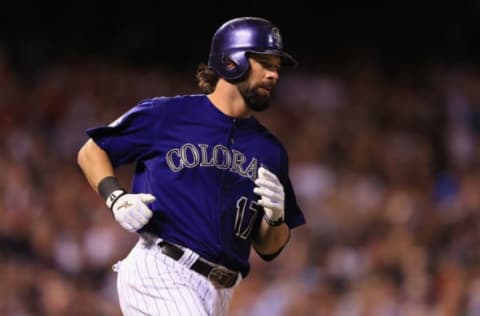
[{"x": 210, "y": 181}]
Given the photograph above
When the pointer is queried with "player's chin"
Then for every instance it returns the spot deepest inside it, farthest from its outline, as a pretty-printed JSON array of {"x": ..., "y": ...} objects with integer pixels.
[{"x": 259, "y": 104}]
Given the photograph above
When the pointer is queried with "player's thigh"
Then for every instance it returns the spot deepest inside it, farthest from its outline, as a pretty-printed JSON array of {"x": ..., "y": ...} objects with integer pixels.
[
  {"x": 172, "y": 302},
  {"x": 145, "y": 292}
]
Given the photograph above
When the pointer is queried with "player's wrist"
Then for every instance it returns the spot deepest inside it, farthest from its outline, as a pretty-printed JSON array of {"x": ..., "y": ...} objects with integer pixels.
[
  {"x": 114, "y": 197},
  {"x": 273, "y": 222},
  {"x": 110, "y": 190}
]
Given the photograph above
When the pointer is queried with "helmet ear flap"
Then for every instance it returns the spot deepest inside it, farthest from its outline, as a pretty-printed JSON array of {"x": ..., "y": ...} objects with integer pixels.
[{"x": 233, "y": 66}]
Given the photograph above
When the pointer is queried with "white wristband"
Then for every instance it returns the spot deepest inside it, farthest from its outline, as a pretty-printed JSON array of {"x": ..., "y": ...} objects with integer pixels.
[{"x": 113, "y": 197}]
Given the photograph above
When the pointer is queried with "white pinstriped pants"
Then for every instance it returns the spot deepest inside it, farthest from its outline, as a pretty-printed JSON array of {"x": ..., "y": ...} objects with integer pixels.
[{"x": 151, "y": 283}]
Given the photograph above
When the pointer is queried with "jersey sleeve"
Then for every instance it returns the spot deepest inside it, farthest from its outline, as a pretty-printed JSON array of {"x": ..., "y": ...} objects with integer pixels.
[
  {"x": 293, "y": 214},
  {"x": 130, "y": 137}
]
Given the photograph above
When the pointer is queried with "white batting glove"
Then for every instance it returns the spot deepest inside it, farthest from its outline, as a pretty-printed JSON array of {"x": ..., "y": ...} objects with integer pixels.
[
  {"x": 272, "y": 196},
  {"x": 130, "y": 210}
]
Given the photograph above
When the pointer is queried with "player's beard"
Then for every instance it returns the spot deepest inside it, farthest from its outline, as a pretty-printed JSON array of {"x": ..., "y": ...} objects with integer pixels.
[{"x": 253, "y": 98}]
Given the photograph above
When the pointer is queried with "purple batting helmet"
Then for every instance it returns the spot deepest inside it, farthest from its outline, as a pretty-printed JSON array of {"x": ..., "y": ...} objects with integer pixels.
[{"x": 237, "y": 37}]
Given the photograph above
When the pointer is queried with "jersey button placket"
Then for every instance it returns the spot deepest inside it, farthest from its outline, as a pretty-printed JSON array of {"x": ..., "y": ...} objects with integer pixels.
[
  {"x": 232, "y": 131},
  {"x": 231, "y": 140}
]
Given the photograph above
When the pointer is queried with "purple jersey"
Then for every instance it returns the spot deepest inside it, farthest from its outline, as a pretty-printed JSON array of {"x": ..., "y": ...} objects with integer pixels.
[{"x": 200, "y": 164}]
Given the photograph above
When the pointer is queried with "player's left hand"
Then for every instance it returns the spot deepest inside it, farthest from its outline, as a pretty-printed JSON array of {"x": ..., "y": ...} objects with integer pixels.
[{"x": 272, "y": 196}]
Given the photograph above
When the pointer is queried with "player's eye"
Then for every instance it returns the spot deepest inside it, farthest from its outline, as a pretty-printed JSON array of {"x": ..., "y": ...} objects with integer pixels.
[
  {"x": 272, "y": 67},
  {"x": 269, "y": 64}
]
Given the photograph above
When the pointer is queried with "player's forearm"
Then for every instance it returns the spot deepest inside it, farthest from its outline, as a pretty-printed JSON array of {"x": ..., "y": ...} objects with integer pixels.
[
  {"x": 270, "y": 239},
  {"x": 94, "y": 163}
]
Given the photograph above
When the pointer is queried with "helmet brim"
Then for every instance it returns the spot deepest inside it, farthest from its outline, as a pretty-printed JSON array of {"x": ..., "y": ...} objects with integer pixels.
[{"x": 287, "y": 59}]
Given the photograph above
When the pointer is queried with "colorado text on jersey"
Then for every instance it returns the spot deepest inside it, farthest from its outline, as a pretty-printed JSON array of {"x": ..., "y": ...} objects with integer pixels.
[{"x": 221, "y": 157}]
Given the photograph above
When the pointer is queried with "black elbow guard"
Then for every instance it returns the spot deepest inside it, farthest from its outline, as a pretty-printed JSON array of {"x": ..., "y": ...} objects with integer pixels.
[{"x": 271, "y": 256}]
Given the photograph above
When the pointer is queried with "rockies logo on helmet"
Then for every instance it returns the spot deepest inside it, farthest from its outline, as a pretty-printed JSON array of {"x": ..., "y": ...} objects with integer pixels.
[{"x": 276, "y": 38}]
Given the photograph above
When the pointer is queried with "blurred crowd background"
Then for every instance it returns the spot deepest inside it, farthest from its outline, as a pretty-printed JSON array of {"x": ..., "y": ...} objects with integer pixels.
[{"x": 384, "y": 157}]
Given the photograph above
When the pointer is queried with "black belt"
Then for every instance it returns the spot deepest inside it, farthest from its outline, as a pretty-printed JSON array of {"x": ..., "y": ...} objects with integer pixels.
[{"x": 220, "y": 277}]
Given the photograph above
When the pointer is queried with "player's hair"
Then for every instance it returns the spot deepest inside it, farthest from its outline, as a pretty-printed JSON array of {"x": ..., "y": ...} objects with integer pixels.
[{"x": 207, "y": 78}]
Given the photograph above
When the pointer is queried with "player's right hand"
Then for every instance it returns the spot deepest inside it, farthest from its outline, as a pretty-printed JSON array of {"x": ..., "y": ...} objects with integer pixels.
[{"x": 131, "y": 210}]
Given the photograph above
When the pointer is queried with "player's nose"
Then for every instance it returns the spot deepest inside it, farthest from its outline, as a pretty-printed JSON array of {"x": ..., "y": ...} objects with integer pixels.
[{"x": 272, "y": 74}]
